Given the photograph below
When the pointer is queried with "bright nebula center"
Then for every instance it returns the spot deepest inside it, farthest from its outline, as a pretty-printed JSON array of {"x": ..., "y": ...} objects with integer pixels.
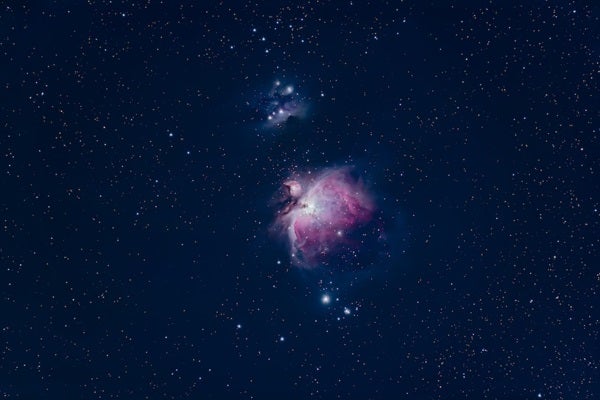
[{"x": 319, "y": 219}]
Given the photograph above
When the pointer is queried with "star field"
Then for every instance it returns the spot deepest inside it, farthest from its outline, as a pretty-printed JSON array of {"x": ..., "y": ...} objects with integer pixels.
[{"x": 143, "y": 158}]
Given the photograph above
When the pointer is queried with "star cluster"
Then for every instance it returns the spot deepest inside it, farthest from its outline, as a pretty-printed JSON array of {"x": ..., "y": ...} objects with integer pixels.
[{"x": 281, "y": 103}]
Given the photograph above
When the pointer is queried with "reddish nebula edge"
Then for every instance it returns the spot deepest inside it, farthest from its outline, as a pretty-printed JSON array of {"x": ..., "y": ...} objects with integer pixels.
[{"x": 321, "y": 213}]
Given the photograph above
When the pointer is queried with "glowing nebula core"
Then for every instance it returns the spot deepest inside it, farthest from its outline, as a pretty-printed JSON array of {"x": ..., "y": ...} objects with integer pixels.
[{"x": 321, "y": 215}]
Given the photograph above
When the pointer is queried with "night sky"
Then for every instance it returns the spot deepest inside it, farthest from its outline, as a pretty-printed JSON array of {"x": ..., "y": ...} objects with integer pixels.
[{"x": 307, "y": 199}]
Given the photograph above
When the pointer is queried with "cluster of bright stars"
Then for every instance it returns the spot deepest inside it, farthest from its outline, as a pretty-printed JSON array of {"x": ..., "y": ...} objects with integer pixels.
[{"x": 326, "y": 300}]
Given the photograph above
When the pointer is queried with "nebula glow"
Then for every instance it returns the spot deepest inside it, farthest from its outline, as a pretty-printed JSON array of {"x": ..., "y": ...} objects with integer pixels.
[
  {"x": 320, "y": 216},
  {"x": 280, "y": 103}
]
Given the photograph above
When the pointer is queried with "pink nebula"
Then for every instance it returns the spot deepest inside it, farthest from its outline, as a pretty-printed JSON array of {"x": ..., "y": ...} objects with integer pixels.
[
  {"x": 322, "y": 213},
  {"x": 294, "y": 188}
]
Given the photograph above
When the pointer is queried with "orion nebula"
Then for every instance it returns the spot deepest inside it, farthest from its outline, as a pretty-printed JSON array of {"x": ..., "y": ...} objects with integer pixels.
[{"x": 321, "y": 217}]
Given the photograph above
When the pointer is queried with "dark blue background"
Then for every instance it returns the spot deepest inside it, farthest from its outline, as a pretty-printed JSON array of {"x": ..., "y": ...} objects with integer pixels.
[{"x": 136, "y": 182}]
